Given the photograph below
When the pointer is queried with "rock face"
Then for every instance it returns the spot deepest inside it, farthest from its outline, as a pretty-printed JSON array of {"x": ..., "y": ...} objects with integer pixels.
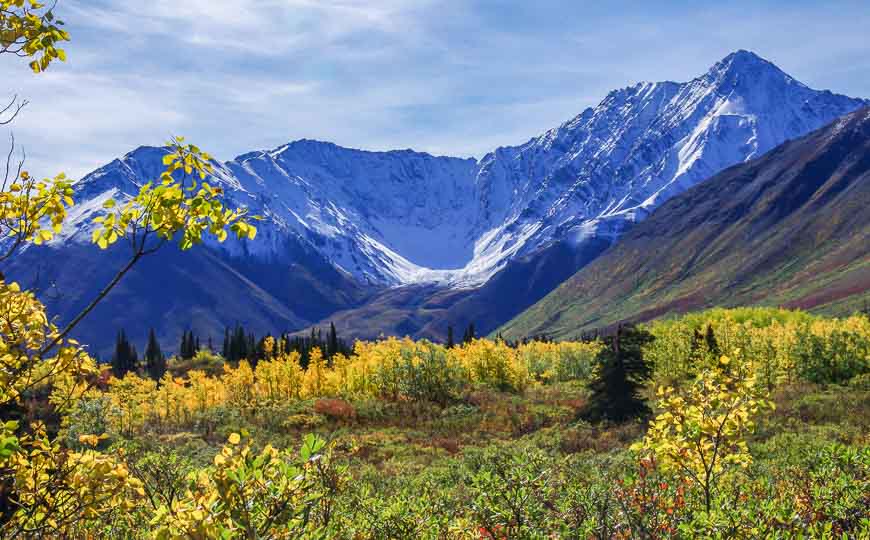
[
  {"x": 791, "y": 228},
  {"x": 374, "y": 220}
]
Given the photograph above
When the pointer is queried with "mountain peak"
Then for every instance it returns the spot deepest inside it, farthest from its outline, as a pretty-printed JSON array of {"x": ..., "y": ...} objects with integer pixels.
[
  {"x": 743, "y": 63},
  {"x": 742, "y": 56}
]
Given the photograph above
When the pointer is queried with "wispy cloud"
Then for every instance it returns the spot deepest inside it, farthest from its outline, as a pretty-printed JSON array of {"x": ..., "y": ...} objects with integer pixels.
[{"x": 445, "y": 76}]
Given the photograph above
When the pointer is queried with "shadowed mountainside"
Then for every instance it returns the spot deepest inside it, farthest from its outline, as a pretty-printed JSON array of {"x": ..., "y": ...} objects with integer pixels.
[{"x": 791, "y": 228}]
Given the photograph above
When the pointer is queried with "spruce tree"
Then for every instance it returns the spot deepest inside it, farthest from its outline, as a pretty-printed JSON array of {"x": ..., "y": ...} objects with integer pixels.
[
  {"x": 188, "y": 345},
  {"x": 124, "y": 359},
  {"x": 251, "y": 349},
  {"x": 469, "y": 334},
  {"x": 450, "y": 342},
  {"x": 155, "y": 362},
  {"x": 712, "y": 342},
  {"x": 616, "y": 390},
  {"x": 332, "y": 342},
  {"x": 225, "y": 350}
]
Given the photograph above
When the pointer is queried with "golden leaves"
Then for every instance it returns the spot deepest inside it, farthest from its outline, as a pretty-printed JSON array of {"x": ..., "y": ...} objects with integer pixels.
[
  {"x": 27, "y": 29},
  {"x": 33, "y": 210},
  {"x": 175, "y": 208}
]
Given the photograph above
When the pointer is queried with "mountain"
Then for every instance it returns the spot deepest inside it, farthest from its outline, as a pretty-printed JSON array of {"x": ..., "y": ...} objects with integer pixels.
[
  {"x": 356, "y": 224},
  {"x": 427, "y": 310},
  {"x": 791, "y": 228}
]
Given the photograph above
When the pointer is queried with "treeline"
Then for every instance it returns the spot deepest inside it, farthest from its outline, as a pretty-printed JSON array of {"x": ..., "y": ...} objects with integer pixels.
[{"x": 238, "y": 344}]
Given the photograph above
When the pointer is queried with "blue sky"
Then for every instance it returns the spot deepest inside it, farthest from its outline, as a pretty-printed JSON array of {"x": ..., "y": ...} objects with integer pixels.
[{"x": 447, "y": 77}]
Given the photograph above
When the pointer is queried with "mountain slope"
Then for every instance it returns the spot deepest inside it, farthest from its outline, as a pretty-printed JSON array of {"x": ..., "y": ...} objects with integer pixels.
[
  {"x": 403, "y": 217},
  {"x": 201, "y": 289},
  {"x": 342, "y": 226},
  {"x": 426, "y": 311},
  {"x": 791, "y": 228}
]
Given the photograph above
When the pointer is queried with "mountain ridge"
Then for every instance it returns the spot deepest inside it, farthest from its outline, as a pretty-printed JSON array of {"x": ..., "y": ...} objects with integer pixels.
[
  {"x": 790, "y": 228},
  {"x": 398, "y": 218}
]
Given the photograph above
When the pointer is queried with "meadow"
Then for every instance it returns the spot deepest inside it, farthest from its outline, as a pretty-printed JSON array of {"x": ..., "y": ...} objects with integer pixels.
[{"x": 758, "y": 429}]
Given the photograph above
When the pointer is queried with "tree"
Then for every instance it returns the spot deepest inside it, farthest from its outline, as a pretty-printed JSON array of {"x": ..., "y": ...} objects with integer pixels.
[
  {"x": 622, "y": 373},
  {"x": 28, "y": 30},
  {"x": 701, "y": 430},
  {"x": 332, "y": 341},
  {"x": 125, "y": 359},
  {"x": 712, "y": 343},
  {"x": 155, "y": 362},
  {"x": 182, "y": 348},
  {"x": 469, "y": 334},
  {"x": 450, "y": 342},
  {"x": 50, "y": 488}
]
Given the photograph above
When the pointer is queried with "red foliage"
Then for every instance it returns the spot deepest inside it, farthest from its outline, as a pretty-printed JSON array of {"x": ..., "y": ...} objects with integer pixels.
[{"x": 336, "y": 409}]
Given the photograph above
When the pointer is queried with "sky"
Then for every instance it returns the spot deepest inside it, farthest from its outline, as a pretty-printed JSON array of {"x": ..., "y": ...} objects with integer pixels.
[{"x": 447, "y": 77}]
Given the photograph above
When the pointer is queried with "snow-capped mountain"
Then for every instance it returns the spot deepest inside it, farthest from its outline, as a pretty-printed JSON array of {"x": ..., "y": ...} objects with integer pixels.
[
  {"x": 402, "y": 217},
  {"x": 404, "y": 242}
]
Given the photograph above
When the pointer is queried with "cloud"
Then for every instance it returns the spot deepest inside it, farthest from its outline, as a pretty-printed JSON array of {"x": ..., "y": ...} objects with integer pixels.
[{"x": 457, "y": 77}]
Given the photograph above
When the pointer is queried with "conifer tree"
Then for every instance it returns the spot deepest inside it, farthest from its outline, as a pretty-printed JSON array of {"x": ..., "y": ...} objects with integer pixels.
[
  {"x": 155, "y": 362},
  {"x": 125, "y": 358},
  {"x": 332, "y": 342},
  {"x": 187, "y": 349},
  {"x": 225, "y": 350},
  {"x": 712, "y": 342},
  {"x": 251, "y": 349},
  {"x": 469, "y": 335},
  {"x": 450, "y": 341},
  {"x": 616, "y": 391}
]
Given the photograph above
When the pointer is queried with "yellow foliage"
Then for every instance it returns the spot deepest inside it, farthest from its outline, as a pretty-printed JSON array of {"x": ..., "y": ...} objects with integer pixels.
[
  {"x": 172, "y": 206},
  {"x": 701, "y": 429},
  {"x": 26, "y": 359},
  {"x": 493, "y": 363},
  {"x": 27, "y": 29},
  {"x": 33, "y": 210},
  {"x": 270, "y": 494},
  {"x": 783, "y": 345},
  {"x": 59, "y": 493},
  {"x": 392, "y": 369}
]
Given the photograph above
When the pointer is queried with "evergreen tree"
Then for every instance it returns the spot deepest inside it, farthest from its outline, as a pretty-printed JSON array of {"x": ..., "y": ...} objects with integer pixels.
[
  {"x": 239, "y": 345},
  {"x": 251, "y": 349},
  {"x": 469, "y": 334},
  {"x": 124, "y": 359},
  {"x": 616, "y": 391},
  {"x": 155, "y": 362},
  {"x": 225, "y": 350},
  {"x": 712, "y": 342},
  {"x": 450, "y": 342},
  {"x": 332, "y": 342},
  {"x": 188, "y": 345}
]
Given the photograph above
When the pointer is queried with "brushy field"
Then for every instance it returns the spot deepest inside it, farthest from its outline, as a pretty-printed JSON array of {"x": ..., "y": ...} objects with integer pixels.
[{"x": 759, "y": 429}]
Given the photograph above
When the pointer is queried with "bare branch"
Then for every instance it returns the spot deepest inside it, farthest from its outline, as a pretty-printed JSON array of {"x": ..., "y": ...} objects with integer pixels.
[{"x": 15, "y": 107}]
